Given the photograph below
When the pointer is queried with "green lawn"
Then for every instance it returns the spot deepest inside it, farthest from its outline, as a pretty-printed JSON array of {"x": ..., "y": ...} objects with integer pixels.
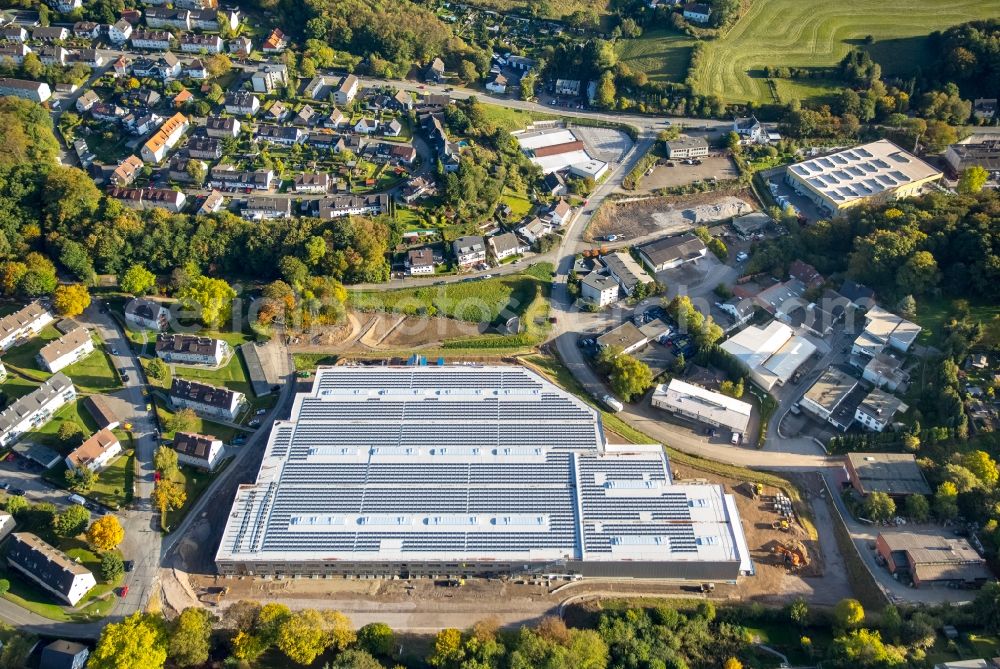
[
  {"x": 16, "y": 386},
  {"x": 512, "y": 119},
  {"x": 806, "y": 34},
  {"x": 520, "y": 205},
  {"x": 663, "y": 54},
  {"x": 482, "y": 300},
  {"x": 113, "y": 487},
  {"x": 933, "y": 313},
  {"x": 94, "y": 606},
  {"x": 194, "y": 481},
  {"x": 309, "y": 361},
  {"x": 25, "y": 356},
  {"x": 46, "y": 434},
  {"x": 233, "y": 376},
  {"x": 95, "y": 373},
  {"x": 201, "y": 426}
]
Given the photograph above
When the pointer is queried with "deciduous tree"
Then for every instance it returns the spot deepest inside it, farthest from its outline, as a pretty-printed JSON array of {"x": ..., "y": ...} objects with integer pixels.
[
  {"x": 105, "y": 533},
  {"x": 190, "y": 637},
  {"x": 848, "y": 613},
  {"x": 973, "y": 179},
  {"x": 165, "y": 461},
  {"x": 302, "y": 636},
  {"x": 917, "y": 508},
  {"x": 211, "y": 298},
  {"x": 137, "y": 642},
  {"x": 168, "y": 496},
  {"x": 137, "y": 280},
  {"x": 184, "y": 420},
  {"x": 879, "y": 507},
  {"x": 71, "y": 522},
  {"x": 376, "y": 638},
  {"x": 71, "y": 300}
]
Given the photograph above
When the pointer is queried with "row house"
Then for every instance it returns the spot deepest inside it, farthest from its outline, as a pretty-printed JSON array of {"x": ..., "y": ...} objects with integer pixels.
[
  {"x": 353, "y": 205},
  {"x": 154, "y": 40},
  {"x": 16, "y": 51},
  {"x": 149, "y": 198},
  {"x": 242, "y": 103},
  {"x": 36, "y": 408},
  {"x": 60, "y": 353},
  {"x": 52, "y": 55},
  {"x": 206, "y": 399},
  {"x": 206, "y": 148},
  {"x": 23, "y": 324},
  {"x": 86, "y": 30},
  {"x": 127, "y": 171},
  {"x": 222, "y": 127},
  {"x": 155, "y": 149},
  {"x": 164, "y": 68},
  {"x": 36, "y": 91},
  {"x": 162, "y": 17},
  {"x": 191, "y": 350},
  {"x": 120, "y": 32},
  {"x": 49, "y": 568},
  {"x": 259, "y": 208},
  {"x": 279, "y": 134},
  {"x": 193, "y": 43},
  {"x": 226, "y": 177},
  {"x": 14, "y": 33},
  {"x": 49, "y": 34},
  {"x": 269, "y": 77}
]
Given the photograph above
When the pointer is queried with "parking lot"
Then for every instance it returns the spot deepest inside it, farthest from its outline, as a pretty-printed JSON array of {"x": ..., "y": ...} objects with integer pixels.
[{"x": 718, "y": 167}]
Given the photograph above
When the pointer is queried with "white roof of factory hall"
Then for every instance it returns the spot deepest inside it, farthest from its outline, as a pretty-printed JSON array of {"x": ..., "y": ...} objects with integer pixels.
[
  {"x": 863, "y": 171},
  {"x": 538, "y": 139},
  {"x": 465, "y": 463},
  {"x": 717, "y": 408},
  {"x": 772, "y": 351}
]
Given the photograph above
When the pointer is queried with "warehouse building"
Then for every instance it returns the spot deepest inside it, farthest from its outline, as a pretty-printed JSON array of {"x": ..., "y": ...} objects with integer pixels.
[
  {"x": 703, "y": 405},
  {"x": 896, "y": 474},
  {"x": 468, "y": 471},
  {"x": 771, "y": 355},
  {"x": 874, "y": 172},
  {"x": 931, "y": 559}
]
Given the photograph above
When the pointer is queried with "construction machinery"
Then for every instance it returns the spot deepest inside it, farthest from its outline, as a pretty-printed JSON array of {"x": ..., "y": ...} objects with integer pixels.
[
  {"x": 794, "y": 556},
  {"x": 782, "y": 525}
]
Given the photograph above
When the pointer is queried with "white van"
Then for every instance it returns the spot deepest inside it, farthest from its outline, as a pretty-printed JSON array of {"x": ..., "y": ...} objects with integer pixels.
[
  {"x": 612, "y": 403},
  {"x": 76, "y": 499},
  {"x": 735, "y": 441}
]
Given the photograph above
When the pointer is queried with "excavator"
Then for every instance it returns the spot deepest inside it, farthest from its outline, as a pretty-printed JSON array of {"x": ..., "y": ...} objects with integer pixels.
[{"x": 793, "y": 556}]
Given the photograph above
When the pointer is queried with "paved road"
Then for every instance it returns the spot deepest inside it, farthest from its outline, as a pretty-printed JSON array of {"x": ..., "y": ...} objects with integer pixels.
[{"x": 142, "y": 538}]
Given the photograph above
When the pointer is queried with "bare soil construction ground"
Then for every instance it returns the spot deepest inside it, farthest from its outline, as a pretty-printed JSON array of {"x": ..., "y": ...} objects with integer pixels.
[
  {"x": 366, "y": 332},
  {"x": 639, "y": 218}
]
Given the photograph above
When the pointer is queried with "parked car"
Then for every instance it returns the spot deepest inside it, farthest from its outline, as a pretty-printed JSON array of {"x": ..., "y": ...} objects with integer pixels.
[
  {"x": 123, "y": 591},
  {"x": 741, "y": 256},
  {"x": 260, "y": 412},
  {"x": 15, "y": 491},
  {"x": 129, "y": 565}
]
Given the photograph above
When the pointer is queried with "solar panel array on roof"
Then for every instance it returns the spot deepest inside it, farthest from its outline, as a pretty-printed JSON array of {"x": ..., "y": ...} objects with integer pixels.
[{"x": 460, "y": 463}]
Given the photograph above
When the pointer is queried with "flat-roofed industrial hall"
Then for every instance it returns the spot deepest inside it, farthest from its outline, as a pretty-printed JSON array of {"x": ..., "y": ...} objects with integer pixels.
[{"x": 468, "y": 470}]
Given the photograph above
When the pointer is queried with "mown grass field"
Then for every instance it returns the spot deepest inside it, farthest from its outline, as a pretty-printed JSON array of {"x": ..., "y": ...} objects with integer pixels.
[
  {"x": 791, "y": 33},
  {"x": 480, "y": 300},
  {"x": 663, "y": 54}
]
